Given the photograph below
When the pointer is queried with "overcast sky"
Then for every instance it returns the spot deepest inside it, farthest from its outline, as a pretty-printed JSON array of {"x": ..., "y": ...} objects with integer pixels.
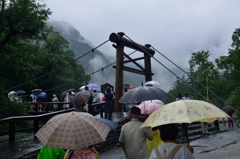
[{"x": 176, "y": 28}]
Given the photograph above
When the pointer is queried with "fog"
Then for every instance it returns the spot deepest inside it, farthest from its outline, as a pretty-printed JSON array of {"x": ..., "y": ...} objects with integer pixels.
[{"x": 175, "y": 28}]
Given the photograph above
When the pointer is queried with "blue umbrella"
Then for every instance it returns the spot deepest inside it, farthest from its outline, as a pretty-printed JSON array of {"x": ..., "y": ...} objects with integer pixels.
[
  {"x": 110, "y": 123},
  {"x": 92, "y": 86},
  {"x": 41, "y": 95},
  {"x": 20, "y": 92}
]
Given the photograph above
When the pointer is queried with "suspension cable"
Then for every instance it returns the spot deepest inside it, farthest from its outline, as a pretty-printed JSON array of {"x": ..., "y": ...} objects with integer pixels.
[
  {"x": 195, "y": 80},
  {"x": 53, "y": 71},
  {"x": 165, "y": 67},
  {"x": 109, "y": 65}
]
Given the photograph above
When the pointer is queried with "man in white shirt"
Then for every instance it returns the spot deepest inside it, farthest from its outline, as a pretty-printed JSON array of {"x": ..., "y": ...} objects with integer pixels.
[
  {"x": 185, "y": 97},
  {"x": 169, "y": 149}
]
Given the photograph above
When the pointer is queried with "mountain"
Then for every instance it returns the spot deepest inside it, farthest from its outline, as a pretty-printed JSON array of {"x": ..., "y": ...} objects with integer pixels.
[{"x": 94, "y": 61}]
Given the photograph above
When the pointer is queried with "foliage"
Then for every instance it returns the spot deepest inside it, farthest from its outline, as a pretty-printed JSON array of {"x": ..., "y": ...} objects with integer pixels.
[
  {"x": 222, "y": 76},
  {"x": 180, "y": 86},
  {"x": 33, "y": 55}
]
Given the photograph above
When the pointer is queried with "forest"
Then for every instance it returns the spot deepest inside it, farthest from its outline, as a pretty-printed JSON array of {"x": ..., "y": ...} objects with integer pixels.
[{"x": 33, "y": 55}]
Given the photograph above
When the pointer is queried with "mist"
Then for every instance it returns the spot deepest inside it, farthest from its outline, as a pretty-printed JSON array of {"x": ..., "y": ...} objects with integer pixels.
[{"x": 175, "y": 28}]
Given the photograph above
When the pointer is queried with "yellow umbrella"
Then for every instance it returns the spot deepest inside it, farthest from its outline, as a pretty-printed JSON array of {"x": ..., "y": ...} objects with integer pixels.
[{"x": 184, "y": 111}]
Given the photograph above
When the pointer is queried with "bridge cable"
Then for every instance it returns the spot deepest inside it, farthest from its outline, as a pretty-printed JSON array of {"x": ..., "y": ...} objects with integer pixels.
[
  {"x": 59, "y": 67},
  {"x": 165, "y": 66}
]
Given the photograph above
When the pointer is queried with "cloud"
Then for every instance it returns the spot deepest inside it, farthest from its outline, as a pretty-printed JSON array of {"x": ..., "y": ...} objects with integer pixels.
[{"x": 175, "y": 28}]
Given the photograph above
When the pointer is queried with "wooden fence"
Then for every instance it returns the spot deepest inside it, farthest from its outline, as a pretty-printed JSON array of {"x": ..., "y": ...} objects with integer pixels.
[{"x": 97, "y": 108}]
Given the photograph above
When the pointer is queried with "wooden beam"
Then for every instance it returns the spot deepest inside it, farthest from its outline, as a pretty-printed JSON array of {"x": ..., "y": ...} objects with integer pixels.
[
  {"x": 118, "y": 38},
  {"x": 129, "y": 69},
  {"x": 133, "y": 60},
  {"x": 130, "y": 58}
]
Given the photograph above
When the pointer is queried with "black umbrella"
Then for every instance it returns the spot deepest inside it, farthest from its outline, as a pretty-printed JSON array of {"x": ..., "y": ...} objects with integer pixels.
[
  {"x": 229, "y": 110},
  {"x": 36, "y": 90},
  {"x": 67, "y": 91},
  {"x": 143, "y": 93}
]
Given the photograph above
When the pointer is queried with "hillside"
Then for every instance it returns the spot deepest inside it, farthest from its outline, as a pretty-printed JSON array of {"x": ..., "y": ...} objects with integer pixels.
[{"x": 93, "y": 61}]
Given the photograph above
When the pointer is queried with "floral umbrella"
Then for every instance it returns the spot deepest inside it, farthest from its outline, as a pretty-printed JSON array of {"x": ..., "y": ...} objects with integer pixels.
[{"x": 185, "y": 111}]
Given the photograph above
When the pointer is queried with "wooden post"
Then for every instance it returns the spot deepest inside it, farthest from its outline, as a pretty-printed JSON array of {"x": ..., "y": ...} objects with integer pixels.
[
  {"x": 119, "y": 76},
  {"x": 148, "y": 68},
  {"x": 11, "y": 130},
  {"x": 147, "y": 64}
]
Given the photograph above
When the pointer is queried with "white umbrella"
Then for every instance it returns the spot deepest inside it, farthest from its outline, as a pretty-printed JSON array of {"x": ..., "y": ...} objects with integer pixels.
[
  {"x": 10, "y": 94},
  {"x": 152, "y": 83},
  {"x": 82, "y": 88}
]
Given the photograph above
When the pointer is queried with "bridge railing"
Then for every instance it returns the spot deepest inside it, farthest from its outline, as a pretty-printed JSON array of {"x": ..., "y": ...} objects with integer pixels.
[{"x": 97, "y": 108}]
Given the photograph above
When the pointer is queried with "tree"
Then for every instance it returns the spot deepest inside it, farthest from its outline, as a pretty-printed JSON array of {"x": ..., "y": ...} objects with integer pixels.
[
  {"x": 203, "y": 69},
  {"x": 230, "y": 71},
  {"x": 21, "y": 19}
]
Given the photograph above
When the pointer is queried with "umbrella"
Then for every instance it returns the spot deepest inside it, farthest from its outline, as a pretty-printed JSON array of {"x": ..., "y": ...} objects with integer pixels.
[
  {"x": 153, "y": 101},
  {"x": 82, "y": 88},
  {"x": 152, "y": 83},
  {"x": 36, "y": 90},
  {"x": 92, "y": 86},
  {"x": 142, "y": 93},
  {"x": 184, "y": 111},
  {"x": 110, "y": 123},
  {"x": 81, "y": 98},
  {"x": 132, "y": 87},
  {"x": 229, "y": 110},
  {"x": 10, "y": 94},
  {"x": 125, "y": 85},
  {"x": 74, "y": 130},
  {"x": 20, "y": 92},
  {"x": 67, "y": 91},
  {"x": 41, "y": 95},
  {"x": 149, "y": 107}
]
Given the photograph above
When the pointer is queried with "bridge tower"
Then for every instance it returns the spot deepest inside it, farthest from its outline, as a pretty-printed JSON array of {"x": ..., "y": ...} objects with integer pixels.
[{"x": 120, "y": 43}]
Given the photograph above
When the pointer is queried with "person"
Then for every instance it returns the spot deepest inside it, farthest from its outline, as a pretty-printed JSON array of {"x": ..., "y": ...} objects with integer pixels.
[
  {"x": 184, "y": 125},
  {"x": 55, "y": 99},
  {"x": 186, "y": 97},
  {"x": 169, "y": 149},
  {"x": 126, "y": 104},
  {"x": 133, "y": 139},
  {"x": 108, "y": 107},
  {"x": 230, "y": 121},
  {"x": 33, "y": 100},
  {"x": 204, "y": 128},
  {"x": 89, "y": 103},
  {"x": 50, "y": 153},
  {"x": 68, "y": 97},
  {"x": 151, "y": 144},
  {"x": 13, "y": 97},
  {"x": 95, "y": 96},
  {"x": 216, "y": 124},
  {"x": 88, "y": 153},
  {"x": 39, "y": 104}
]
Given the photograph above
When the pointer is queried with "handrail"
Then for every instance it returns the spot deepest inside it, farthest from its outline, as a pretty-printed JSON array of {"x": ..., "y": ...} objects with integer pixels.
[{"x": 35, "y": 118}]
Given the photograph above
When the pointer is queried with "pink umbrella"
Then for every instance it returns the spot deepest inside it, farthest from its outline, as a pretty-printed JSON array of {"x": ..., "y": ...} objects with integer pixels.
[
  {"x": 132, "y": 87},
  {"x": 149, "y": 107}
]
